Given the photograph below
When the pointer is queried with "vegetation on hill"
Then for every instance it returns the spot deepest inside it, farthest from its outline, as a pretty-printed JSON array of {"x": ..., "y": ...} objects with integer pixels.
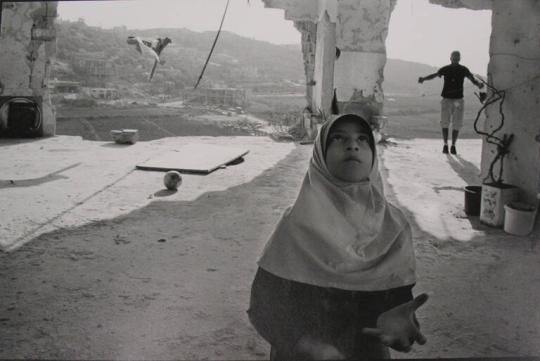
[
  {"x": 266, "y": 70},
  {"x": 237, "y": 61}
]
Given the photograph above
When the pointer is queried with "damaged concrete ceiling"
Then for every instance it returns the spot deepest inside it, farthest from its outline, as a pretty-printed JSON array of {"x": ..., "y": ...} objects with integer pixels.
[{"x": 464, "y": 4}]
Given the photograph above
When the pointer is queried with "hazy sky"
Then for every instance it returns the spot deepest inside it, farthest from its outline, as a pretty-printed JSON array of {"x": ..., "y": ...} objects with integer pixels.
[{"x": 419, "y": 31}]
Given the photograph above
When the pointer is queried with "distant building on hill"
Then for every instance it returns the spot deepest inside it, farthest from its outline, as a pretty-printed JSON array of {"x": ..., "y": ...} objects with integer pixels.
[
  {"x": 274, "y": 87},
  {"x": 102, "y": 93},
  {"x": 95, "y": 66},
  {"x": 64, "y": 86},
  {"x": 216, "y": 96}
]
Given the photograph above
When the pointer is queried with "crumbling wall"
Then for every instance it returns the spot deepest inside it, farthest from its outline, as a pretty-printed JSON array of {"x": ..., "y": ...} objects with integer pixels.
[
  {"x": 308, "y": 29},
  {"x": 464, "y": 4},
  {"x": 26, "y": 52}
]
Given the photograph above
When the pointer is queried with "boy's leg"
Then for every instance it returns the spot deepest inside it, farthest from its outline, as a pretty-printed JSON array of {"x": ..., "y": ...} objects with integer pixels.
[
  {"x": 446, "y": 113},
  {"x": 274, "y": 356},
  {"x": 455, "y": 134},
  {"x": 457, "y": 122},
  {"x": 445, "y": 140},
  {"x": 445, "y": 135}
]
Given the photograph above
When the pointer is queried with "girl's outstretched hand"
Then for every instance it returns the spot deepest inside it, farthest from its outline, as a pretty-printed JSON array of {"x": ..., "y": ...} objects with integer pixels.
[{"x": 398, "y": 328}]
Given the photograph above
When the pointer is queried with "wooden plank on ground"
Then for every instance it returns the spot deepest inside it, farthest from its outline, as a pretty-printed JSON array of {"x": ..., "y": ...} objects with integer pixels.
[{"x": 194, "y": 158}]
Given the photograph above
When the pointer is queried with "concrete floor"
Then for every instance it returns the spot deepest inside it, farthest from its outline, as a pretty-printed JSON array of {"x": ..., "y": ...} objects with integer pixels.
[{"x": 100, "y": 262}]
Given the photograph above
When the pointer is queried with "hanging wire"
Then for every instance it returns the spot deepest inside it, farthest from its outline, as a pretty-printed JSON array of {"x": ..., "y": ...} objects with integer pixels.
[
  {"x": 213, "y": 46},
  {"x": 502, "y": 144}
]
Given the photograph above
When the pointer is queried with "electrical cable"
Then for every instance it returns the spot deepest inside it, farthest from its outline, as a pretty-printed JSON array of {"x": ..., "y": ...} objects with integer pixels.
[
  {"x": 213, "y": 46},
  {"x": 502, "y": 144}
]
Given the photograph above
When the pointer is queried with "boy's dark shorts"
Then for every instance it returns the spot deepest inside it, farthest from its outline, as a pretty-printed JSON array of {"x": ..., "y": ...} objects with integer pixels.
[{"x": 282, "y": 311}]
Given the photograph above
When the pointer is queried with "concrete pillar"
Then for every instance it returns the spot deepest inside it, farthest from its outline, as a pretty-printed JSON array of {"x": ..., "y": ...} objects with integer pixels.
[
  {"x": 325, "y": 56},
  {"x": 361, "y": 36},
  {"x": 515, "y": 67},
  {"x": 308, "y": 30},
  {"x": 305, "y": 14},
  {"x": 28, "y": 45},
  {"x": 359, "y": 29}
]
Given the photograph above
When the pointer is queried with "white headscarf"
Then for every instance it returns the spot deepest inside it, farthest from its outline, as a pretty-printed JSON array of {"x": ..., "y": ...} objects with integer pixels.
[{"x": 342, "y": 235}]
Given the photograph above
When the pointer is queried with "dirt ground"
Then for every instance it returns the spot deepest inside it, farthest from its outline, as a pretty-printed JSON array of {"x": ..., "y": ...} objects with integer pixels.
[{"x": 167, "y": 275}]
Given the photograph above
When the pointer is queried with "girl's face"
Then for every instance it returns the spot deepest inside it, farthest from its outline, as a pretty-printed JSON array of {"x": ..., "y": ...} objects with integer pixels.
[{"x": 348, "y": 154}]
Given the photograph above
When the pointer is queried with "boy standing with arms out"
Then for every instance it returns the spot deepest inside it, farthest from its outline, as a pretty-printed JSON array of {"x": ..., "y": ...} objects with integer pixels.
[{"x": 452, "y": 103}]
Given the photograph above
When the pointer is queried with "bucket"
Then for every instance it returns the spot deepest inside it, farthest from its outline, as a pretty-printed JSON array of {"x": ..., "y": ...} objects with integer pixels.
[
  {"x": 519, "y": 218},
  {"x": 473, "y": 195}
]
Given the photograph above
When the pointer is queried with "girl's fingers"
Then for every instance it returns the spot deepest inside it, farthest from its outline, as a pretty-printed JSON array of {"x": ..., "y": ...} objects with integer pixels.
[
  {"x": 387, "y": 340},
  {"x": 420, "y": 338},
  {"x": 415, "y": 321},
  {"x": 402, "y": 344},
  {"x": 419, "y": 301},
  {"x": 371, "y": 331}
]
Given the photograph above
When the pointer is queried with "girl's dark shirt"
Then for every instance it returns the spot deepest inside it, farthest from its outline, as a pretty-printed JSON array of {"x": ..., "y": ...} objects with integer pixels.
[{"x": 282, "y": 311}]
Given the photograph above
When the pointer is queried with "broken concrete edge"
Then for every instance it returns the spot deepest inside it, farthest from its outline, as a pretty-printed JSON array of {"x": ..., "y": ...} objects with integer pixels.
[{"x": 125, "y": 136}]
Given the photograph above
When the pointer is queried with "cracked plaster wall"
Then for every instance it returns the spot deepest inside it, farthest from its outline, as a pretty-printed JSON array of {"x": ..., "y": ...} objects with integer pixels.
[
  {"x": 325, "y": 55},
  {"x": 515, "y": 66},
  {"x": 24, "y": 62},
  {"x": 308, "y": 30},
  {"x": 361, "y": 27},
  {"x": 361, "y": 33}
]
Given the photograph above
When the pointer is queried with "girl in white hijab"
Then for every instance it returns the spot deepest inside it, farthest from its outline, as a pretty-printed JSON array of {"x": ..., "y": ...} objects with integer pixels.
[{"x": 335, "y": 278}]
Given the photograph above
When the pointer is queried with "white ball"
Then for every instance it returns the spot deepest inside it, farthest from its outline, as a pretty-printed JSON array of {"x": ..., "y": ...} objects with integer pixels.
[{"x": 172, "y": 180}]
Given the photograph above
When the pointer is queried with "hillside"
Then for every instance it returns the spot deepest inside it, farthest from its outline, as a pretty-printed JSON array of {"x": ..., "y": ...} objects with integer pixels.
[
  {"x": 237, "y": 61},
  {"x": 401, "y": 78}
]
